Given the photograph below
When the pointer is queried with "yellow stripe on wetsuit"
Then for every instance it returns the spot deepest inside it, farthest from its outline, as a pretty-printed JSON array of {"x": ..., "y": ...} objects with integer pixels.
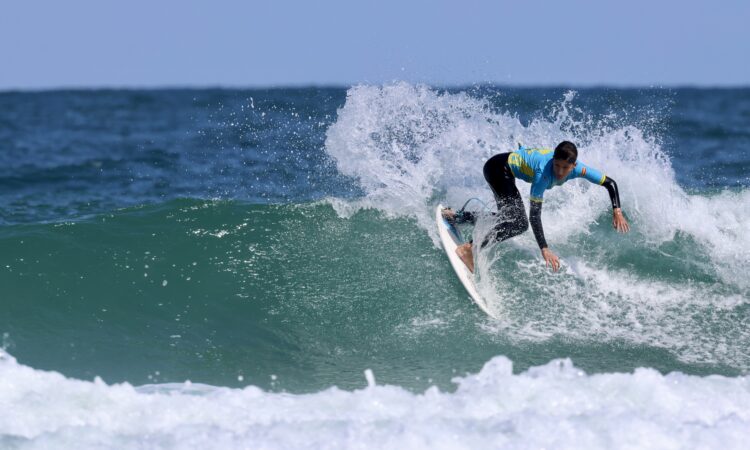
[{"x": 515, "y": 161}]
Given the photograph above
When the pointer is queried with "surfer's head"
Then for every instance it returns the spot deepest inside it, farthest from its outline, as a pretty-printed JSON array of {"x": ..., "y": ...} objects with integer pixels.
[{"x": 564, "y": 160}]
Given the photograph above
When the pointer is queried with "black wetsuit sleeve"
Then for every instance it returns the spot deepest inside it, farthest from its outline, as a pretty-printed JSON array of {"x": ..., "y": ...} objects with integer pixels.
[
  {"x": 614, "y": 195},
  {"x": 535, "y": 218}
]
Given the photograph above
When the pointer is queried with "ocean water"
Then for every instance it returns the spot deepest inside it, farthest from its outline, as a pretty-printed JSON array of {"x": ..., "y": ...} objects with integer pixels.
[{"x": 260, "y": 269}]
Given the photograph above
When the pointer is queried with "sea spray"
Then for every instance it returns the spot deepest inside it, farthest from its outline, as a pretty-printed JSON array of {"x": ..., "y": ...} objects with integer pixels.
[{"x": 410, "y": 146}]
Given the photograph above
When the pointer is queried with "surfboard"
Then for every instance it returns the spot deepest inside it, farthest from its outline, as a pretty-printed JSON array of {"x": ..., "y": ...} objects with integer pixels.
[{"x": 451, "y": 238}]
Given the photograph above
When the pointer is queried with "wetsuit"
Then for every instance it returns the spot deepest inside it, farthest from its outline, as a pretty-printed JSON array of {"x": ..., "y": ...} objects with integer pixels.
[{"x": 533, "y": 165}]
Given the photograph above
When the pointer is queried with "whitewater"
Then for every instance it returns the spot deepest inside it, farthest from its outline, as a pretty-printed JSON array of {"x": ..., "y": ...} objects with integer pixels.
[{"x": 555, "y": 405}]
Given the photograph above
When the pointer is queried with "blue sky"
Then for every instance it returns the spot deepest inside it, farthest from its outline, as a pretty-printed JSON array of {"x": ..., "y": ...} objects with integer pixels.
[{"x": 93, "y": 43}]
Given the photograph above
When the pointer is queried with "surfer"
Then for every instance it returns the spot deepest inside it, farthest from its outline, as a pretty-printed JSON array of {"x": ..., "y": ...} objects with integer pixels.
[{"x": 544, "y": 169}]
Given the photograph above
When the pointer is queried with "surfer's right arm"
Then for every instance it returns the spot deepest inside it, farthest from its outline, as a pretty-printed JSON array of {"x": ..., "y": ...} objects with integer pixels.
[{"x": 535, "y": 218}]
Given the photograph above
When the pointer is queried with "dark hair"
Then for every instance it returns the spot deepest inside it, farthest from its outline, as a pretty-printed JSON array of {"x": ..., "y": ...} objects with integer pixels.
[{"x": 566, "y": 150}]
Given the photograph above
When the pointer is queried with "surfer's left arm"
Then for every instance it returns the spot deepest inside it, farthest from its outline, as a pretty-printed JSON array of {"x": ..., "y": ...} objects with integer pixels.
[
  {"x": 597, "y": 177},
  {"x": 618, "y": 218}
]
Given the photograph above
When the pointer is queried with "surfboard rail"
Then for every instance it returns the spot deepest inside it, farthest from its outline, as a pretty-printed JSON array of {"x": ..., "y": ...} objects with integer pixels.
[{"x": 451, "y": 238}]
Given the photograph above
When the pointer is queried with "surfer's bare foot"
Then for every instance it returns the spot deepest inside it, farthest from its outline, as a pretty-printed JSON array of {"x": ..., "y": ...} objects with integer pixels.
[
  {"x": 449, "y": 215},
  {"x": 464, "y": 252}
]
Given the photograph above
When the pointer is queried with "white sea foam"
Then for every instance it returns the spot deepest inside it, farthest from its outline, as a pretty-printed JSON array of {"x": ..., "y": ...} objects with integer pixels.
[
  {"x": 551, "y": 406},
  {"x": 587, "y": 303}
]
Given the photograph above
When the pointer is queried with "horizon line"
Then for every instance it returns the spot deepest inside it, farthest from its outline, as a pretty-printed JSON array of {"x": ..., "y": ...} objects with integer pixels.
[{"x": 231, "y": 87}]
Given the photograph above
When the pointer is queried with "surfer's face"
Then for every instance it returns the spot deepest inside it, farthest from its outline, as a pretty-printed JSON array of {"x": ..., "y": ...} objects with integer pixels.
[{"x": 562, "y": 168}]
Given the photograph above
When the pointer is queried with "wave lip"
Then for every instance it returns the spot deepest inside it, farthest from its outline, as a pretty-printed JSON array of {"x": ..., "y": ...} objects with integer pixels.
[{"x": 555, "y": 405}]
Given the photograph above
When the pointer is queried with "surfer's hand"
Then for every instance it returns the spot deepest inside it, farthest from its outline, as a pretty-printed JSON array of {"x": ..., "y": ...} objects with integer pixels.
[
  {"x": 619, "y": 221},
  {"x": 550, "y": 259}
]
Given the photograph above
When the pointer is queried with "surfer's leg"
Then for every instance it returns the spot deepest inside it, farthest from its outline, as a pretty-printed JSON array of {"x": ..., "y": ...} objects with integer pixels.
[{"x": 511, "y": 217}]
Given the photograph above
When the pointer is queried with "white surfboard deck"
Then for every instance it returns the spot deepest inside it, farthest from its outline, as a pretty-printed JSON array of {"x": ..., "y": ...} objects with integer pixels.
[{"x": 451, "y": 238}]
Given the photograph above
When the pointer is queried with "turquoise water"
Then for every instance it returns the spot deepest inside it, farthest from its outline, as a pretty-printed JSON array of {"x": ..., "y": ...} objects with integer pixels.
[{"x": 213, "y": 290}]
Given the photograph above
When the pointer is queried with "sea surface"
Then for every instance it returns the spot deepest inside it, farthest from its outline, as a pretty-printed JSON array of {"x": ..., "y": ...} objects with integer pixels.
[{"x": 260, "y": 268}]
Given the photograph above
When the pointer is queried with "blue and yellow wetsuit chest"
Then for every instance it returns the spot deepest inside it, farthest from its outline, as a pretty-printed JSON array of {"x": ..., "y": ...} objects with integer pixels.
[{"x": 534, "y": 165}]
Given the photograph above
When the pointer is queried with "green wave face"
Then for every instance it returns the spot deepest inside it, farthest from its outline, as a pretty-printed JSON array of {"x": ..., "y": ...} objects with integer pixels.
[{"x": 296, "y": 298}]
